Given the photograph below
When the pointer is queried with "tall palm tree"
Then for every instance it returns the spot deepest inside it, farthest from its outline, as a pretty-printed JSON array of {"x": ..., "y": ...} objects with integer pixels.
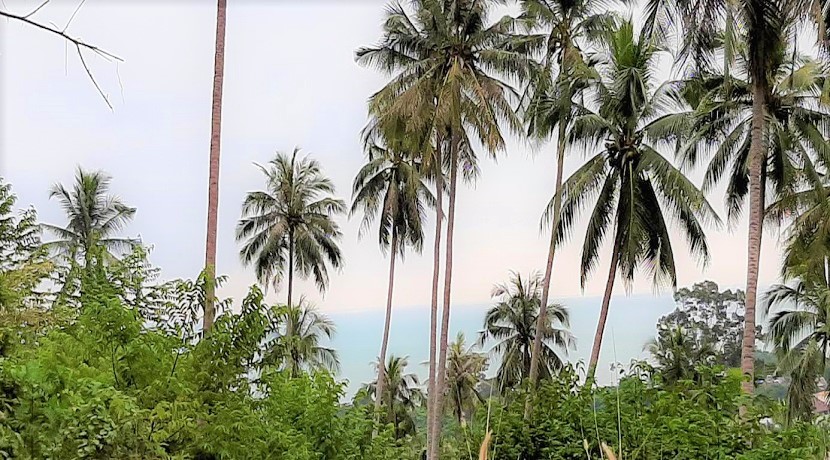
[
  {"x": 800, "y": 334},
  {"x": 445, "y": 58},
  {"x": 512, "y": 324},
  {"x": 213, "y": 162},
  {"x": 402, "y": 397},
  {"x": 765, "y": 28},
  {"x": 564, "y": 28},
  {"x": 632, "y": 184},
  {"x": 95, "y": 217},
  {"x": 290, "y": 225},
  {"x": 300, "y": 330},
  {"x": 465, "y": 370},
  {"x": 797, "y": 125},
  {"x": 391, "y": 188}
]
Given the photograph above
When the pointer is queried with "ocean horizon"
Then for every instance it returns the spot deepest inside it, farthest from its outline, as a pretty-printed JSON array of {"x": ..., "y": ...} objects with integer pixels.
[{"x": 631, "y": 324}]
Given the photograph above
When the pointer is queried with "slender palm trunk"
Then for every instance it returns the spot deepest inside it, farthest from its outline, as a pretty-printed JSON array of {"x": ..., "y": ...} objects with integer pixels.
[
  {"x": 213, "y": 175},
  {"x": 757, "y": 154},
  {"x": 385, "y": 342},
  {"x": 436, "y": 273},
  {"x": 290, "y": 266},
  {"x": 441, "y": 374},
  {"x": 535, "y": 357},
  {"x": 603, "y": 315}
]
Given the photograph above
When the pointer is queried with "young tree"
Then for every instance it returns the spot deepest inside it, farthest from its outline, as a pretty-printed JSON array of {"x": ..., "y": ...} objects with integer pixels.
[
  {"x": 465, "y": 371},
  {"x": 402, "y": 397},
  {"x": 300, "y": 329},
  {"x": 512, "y": 323}
]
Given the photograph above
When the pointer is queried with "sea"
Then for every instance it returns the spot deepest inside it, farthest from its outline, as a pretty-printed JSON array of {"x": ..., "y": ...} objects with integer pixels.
[{"x": 631, "y": 324}]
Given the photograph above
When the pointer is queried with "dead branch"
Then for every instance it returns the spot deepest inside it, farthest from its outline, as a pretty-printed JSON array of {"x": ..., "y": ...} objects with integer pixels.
[{"x": 80, "y": 45}]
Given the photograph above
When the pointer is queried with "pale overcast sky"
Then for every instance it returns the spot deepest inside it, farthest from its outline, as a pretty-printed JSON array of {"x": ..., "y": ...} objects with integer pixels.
[{"x": 290, "y": 80}]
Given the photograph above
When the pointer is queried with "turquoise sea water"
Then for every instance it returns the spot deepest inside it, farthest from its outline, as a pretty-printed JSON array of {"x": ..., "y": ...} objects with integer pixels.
[{"x": 631, "y": 323}]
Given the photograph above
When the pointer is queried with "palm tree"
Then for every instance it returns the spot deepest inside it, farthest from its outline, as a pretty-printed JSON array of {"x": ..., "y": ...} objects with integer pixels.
[
  {"x": 290, "y": 224},
  {"x": 444, "y": 59},
  {"x": 800, "y": 334},
  {"x": 95, "y": 217},
  {"x": 390, "y": 187},
  {"x": 678, "y": 353},
  {"x": 402, "y": 397},
  {"x": 465, "y": 370},
  {"x": 300, "y": 329},
  {"x": 633, "y": 185},
  {"x": 564, "y": 28},
  {"x": 765, "y": 28},
  {"x": 213, "y": 174},
  {"x": 512, "y": 323}
]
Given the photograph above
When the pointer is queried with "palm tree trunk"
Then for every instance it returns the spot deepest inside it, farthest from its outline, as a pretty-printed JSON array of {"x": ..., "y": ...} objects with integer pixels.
[
  {"x": 436, "y": 273},
  {"x": 290, "y": 265},
  {"x": 756, "y": 220},
  {"x": 385, "y": 342},
  {"x": 441, "y": 374},
  {"x": 213, "y": 174},
  {"x": 535, "y": 356},
  {"x": 603, "y": 315}
]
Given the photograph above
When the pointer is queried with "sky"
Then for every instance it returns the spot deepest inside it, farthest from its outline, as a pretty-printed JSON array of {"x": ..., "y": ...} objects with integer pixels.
[{"x": 290, "y": 80}]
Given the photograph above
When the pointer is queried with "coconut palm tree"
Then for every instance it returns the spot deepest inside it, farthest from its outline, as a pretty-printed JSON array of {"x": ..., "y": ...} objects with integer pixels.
[
  {"x": 445, "y": 60},
  {"x": 290, "y": 225},
  {"x": 564, "y": 28},
  {"x": 213, "y": 162},
  {"x": 678, "y": 353},
  {"x": 402, "y": 397},
  {"x": 511, "y": 323},
  {"x": 465, "y": 370},
  {"x": 95, "y": 217},
  {"x": 796, "y": 129},
  {"x": 634, "y": 187},
  {"x": 300, "y": 329},
  {"x": 391, "y": 188},
  {"x": 765, "y": 28},
  {"x": 800, "y": 333}
]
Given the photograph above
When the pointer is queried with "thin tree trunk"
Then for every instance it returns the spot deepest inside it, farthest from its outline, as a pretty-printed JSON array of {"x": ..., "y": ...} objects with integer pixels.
[
  {"x": 603, "y": 315},
  {"x": 213, "y": 179},
  {"x": 290, "y": 266},
  {"x": 535, "y": 357},
  {"x": 441, "y": 374},
  {"x": 385, "y": 341},
  {"x": 757, "y": 154},
  {"x": 436, "y": 273}
]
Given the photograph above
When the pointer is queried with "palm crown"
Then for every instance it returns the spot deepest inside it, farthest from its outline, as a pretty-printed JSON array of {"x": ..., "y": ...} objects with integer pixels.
[
  {"x": 94, "y": 218},
  {"x": 511, "y": 323},
  {"x": 633, "y": 185},
  {"x": 290, "y": 224}
]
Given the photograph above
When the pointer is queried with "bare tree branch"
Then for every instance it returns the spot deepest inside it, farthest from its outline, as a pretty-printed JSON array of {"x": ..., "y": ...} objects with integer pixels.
[
  {"x": 80, "y": 45},
  {"x": 36, "y": 9}
]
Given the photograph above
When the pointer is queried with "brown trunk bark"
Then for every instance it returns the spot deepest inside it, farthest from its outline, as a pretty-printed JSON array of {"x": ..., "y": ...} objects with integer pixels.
[
  {"x": 603, "y": 315},
  {"x": 441, "y": 374},
  {"x": 385, "y": 341},
  {"x": 535, "y": 356},
  {"x": 757, "y": 155},
  {"x": 213, "y": 180},
  {"x": 290, "y": 266},
  {"x": 436, "y": 274}
]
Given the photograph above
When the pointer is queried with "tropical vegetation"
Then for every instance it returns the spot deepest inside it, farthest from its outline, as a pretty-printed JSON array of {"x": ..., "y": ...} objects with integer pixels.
[{"x": 102, "y": 357}]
